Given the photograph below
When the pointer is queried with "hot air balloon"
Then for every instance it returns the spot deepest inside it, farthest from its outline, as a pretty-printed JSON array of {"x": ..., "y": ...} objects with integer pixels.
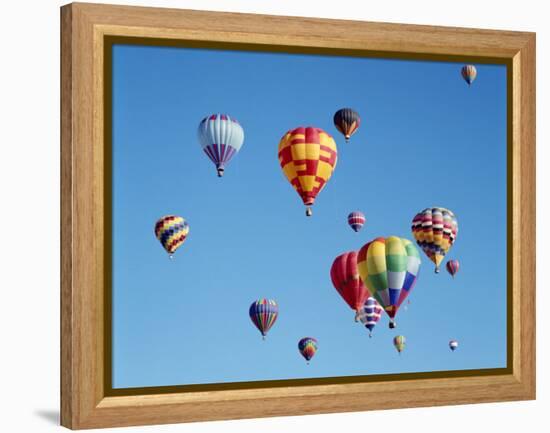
[
  {"x": 345, "y": 278},
  {"x": 469, "y": 73},
  {"x": 435, "y": 230},
  {"x": 264, "y": 313},
  {"x": 370, "y": 314},
  {"x": 356, "y": 220},
  {"x": 399, "y": 343},
  {"x": 347, "y": 121},
  {"x": 452, "y": 267},
  {"x": 221, "y": 137},
  {"x": 308, "y": 157},
  {"x": 389, "y": 268},
  {"x": 453, "y": 345},
  {"x": 307, "y": 347},
  {"x": 171, "y": 231}
]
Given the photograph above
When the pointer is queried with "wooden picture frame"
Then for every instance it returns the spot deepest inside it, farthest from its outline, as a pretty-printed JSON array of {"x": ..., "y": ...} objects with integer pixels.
[{"x": 87, "y": 32}]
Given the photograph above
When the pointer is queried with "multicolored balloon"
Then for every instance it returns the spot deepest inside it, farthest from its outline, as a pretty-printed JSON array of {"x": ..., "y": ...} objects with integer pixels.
[
  {"x": 399, "y": 343},
  {"x": 307, "y": 347},
  {"x": 370, "y": 314},
  {"x": 435, "y": 230},
  {"x": 453, "y": 345},
  {"x": 221, "y": 137},
  {"x": 452, "y": 267},
  {"x": 389, "y": 268},
  {"x": 264, "y": 313},
  {"x": 347, "y": 121},
  {"x": 469, "y": 73},
  {"x": 345, "y": 278},
  {"x": 356, "y": 220},
  {"x": 171, "y": 231},
  {"x": 308, "y": 158}
]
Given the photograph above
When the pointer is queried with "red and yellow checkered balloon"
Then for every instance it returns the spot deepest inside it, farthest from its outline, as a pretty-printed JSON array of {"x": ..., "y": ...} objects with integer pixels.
[{"x": 308, "y": 157}]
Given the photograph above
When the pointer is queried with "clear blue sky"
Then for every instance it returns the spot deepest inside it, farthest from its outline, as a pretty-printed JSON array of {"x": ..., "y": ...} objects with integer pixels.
[{"x": 426, "y": 139}]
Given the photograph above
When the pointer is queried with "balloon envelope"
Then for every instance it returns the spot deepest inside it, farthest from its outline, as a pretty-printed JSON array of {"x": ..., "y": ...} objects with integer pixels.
[
  {"x": 308, "y": 158},
  {"x": 264, "y": 313},
  {"x": 453, "y": 345},
  {"x": 389, "y": 268},
  {"x": 370, "y": 313},
  {"x": 435, "y": 230},
  {"x": 221, "y": 137},
  {"x": 171, "y": 231},
  {"x": 345, "y": 278},
  {"x": 399, "y": 343},
  {"x": 356, "y": 220},
  {"x": 347, "y": 121},
  {"x": 469, "y": 73},
  {"x": 307, "y": 347},
  {"x": 452, "y": 267}
]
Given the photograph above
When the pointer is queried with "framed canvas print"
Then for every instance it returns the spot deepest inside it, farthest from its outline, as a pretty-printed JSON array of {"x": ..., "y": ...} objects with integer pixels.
[{"x": 270, "y": 216}]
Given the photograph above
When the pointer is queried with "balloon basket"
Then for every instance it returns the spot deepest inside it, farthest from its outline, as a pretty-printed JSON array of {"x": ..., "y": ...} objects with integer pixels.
[{"x": 309, "y": 212}]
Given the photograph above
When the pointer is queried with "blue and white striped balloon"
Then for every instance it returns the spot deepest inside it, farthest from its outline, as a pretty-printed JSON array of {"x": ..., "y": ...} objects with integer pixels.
[
  {"x": 221, "y": 137},
  {"x": 370, "y": 314}
]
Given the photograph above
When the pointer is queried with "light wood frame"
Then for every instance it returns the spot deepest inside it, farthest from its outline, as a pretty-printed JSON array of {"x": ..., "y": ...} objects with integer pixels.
[{"x": 86, "y": 400}]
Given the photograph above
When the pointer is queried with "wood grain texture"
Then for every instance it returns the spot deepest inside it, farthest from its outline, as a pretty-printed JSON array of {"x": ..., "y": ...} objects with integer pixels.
[
  {"x": 85, "y": 27},
  {"x": 67, "y": 385}
]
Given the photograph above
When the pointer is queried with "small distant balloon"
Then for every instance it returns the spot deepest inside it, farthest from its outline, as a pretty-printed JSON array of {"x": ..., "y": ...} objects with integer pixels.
[
  {"x": 308, "y": 347},
  {"x": 453, "y": 345},
  {"x": 347, "y": 121},
  {"x": 356, "y": 220},
  {"x": 469, "y": 73},
  {"x": 399, "y": 343},
  {"x": 370, "y": 314},
  {"x": 264, "y": 313},
  {"x": 452, "y": 267},
  {"x": 171, "y": 231}
]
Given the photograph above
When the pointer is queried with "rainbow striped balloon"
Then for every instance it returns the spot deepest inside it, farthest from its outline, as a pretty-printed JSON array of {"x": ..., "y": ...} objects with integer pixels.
[
  {"x": 356, "y": 220},
  {"x": 308, "y": 157},
  {"x": 452, "y": 267},
  {"x": 399, "y": 343},
  {"x": 370, "y": 314},
  {"x": 264, "y": 313},
  {"x": 307, "y": 347},
  {"x": 171, "y": 231},
  {"x": 435, "y": 230}
]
